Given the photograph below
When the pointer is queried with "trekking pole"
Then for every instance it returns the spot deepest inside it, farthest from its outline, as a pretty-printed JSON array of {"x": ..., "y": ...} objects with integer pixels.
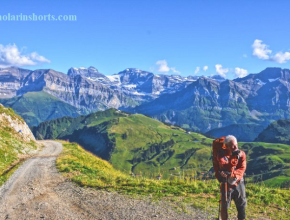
[
  {"x": 219, "y": 213},
  {"x": 224, "y": 208}
]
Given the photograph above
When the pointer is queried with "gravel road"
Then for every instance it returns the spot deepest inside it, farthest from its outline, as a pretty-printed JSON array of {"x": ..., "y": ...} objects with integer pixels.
[{"x": 37, "y": 191}]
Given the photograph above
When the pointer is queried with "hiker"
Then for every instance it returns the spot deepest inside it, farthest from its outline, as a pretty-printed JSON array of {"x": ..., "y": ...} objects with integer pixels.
[{"x": 231, "y": 164}]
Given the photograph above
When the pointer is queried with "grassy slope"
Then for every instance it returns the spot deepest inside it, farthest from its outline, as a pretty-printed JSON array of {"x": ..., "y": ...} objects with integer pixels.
[
  {"x": 12, "y": 146},
  {"x": 36, "y": 107},
  {"x": 270, "y": 162},
  {"x": 190, "y": 154},
  {"x": 88, "y": 170},
  {"x": 142, "y": 132}
]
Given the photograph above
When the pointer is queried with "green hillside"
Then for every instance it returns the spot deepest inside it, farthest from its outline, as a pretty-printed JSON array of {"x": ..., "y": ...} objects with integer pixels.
[
  {"x": 276, "y": 132},
  {"x": 139, "y": 145},
  {"x": 152, "y": 148},
  {"x": 92, "y": 131},
  {"x": 36, "y": 107},
  {"x": 13, "y": 147}
]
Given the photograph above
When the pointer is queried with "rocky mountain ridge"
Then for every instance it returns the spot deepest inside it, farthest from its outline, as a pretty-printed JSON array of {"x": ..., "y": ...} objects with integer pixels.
[
  {"x": 206, "y": 104},
  {"x": 136, "y": 83},
  {"x": 76, "y": 90},
  {"x": 90, "y": 90}
]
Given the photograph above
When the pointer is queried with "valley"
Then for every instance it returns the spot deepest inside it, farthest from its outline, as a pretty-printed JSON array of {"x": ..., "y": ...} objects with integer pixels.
[{"x": 139, "y": 145}]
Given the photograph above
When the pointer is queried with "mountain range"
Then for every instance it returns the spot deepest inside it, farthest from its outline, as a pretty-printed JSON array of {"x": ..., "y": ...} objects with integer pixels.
[{"x": 195, "y": 103}]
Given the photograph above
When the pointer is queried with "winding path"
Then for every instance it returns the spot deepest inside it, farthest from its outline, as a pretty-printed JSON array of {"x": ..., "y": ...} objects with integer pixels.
[{"x": 37, "y": 191}]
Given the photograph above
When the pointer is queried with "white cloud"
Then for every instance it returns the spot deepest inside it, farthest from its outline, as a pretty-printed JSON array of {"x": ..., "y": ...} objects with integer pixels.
[
  {"x": 240, "y": 72},
  {"x": 197, "y": 69},
  {"x": 281, "y": 57},
  {"x": 173, "y": 69},
  {"x": 39, "y": 58},
  {"x": 205, "y": 68},
  {"x": 164, "y": 68},
  {"x": 11, "y": 56},
  {"x": 261, "y": 50},
  {"x": 219, "y": 69}
]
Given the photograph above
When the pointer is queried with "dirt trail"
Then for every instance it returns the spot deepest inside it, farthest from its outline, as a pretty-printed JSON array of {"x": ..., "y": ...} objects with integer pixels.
[{"x": 37, "y": 191}]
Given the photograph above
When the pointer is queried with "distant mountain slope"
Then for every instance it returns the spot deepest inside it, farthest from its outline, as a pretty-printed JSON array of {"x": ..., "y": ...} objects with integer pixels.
[
  {"x": 243, "y": 132},
  {"x": 276, "y": 132},
  {"x": 203, "y": 105},
  {"x": 11, "y": 80},
  {"x": 207, "y": 104},
  {"x": 36, "y": 107},
  {"x": 16, "y": 141},
  {"x": 269, "y": 91},
  {"x": 138, "y": 144}
]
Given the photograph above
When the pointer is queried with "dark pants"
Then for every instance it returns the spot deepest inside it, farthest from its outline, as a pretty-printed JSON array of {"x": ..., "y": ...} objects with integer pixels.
[{"x": 238, "y": 194}]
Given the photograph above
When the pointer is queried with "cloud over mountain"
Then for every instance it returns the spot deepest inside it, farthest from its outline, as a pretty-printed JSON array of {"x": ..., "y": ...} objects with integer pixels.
[
  {"x": 219, "y": 69},
  {"x": 164, "y": 68},
  {"x": 239, "y": 72}
]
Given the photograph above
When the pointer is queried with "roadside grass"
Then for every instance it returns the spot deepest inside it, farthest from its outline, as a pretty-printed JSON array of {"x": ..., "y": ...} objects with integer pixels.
[
  {"x": 12, "y": 151},
  {"x": 10, "y": 111},
  {"x": 6, "y": 175},
  {"x": 88, "y": 170}
]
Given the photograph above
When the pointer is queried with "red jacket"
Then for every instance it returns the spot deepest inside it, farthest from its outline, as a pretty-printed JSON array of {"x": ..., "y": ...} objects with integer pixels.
[{"x": 236, "y": 164}]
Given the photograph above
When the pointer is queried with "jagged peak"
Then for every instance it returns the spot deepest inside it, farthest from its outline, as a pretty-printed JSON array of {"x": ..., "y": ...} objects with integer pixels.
[
  {"x": 133, "y": 71},
  {"x": 88, "y": 72},
  {"x": 9, "y": 68},
  {"x": 93, "y": 68}
]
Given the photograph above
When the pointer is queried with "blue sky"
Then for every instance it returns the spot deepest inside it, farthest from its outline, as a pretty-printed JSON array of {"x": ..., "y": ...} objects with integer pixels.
[{"x": 230, "y": 38}]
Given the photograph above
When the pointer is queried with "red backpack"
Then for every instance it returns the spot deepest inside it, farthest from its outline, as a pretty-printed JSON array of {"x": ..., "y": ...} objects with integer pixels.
[{"x": 218, "y": 147}]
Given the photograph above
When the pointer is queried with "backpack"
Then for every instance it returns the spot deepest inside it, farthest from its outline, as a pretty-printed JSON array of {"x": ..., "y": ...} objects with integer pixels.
[{"x": 218, "y": 147}]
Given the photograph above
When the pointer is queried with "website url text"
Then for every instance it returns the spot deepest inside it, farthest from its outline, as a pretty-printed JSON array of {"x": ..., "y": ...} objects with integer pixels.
[{"x": 35, "y": 17}]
